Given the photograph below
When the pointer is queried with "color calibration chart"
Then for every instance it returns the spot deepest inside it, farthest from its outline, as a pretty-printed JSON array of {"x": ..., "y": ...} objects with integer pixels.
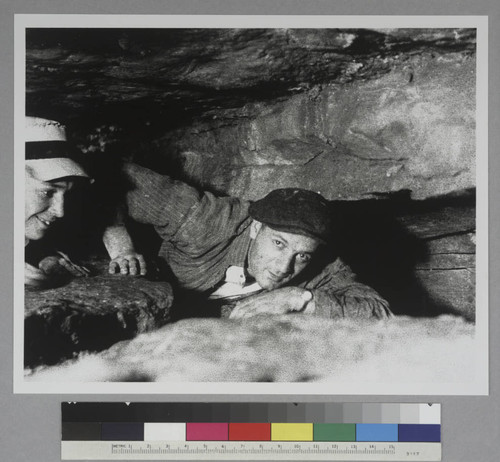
[{"x": 251, "y": 431}]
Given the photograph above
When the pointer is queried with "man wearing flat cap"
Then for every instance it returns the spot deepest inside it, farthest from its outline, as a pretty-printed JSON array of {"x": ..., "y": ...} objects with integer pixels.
[{"x": 260, "y": 257}]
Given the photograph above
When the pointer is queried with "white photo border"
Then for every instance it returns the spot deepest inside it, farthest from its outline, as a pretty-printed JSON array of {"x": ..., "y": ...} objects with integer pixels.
[{"x": 478, "y": 386}]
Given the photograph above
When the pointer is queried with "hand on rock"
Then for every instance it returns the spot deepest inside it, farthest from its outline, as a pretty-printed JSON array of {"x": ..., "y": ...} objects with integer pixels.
[
  {"x": 130, "y": 263},
  {"x": 279, "y": 301},
  {"x": 52, "y": 271},
  {"x": 35, "y": 277}
]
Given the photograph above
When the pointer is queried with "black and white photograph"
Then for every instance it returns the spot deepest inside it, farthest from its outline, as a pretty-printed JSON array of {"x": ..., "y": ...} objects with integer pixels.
[{"x": 251, "y": 204}]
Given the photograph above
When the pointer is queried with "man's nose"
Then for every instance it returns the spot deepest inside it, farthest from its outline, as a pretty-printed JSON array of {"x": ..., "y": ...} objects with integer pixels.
[
  {"x": 284, "y": 264},
  {"x": 57, "y": 206}
]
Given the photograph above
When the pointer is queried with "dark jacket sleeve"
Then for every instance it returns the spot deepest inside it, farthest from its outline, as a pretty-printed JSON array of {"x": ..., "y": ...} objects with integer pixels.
[
  {"x": 158, "y": 200},
  {"x": 337, "y": 294},
  {"x": 179, "y": 212}
]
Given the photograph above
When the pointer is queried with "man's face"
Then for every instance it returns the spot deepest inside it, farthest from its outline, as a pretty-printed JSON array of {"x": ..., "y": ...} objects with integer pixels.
[
  {"x": 276, "y": 257},
  {"x": 44, "y": 204}
]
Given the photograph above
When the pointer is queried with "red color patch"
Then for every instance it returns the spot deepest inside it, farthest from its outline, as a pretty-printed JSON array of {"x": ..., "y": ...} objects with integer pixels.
[{"x": 249, "y": 432}]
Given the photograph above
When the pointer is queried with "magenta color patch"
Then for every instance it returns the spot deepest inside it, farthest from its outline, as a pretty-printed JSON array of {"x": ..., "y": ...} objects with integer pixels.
[{"x": 207, "y": 431}]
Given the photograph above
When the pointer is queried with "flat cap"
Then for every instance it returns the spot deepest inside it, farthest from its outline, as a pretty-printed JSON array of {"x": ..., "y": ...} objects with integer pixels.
[{"x": 294, "y": 210}]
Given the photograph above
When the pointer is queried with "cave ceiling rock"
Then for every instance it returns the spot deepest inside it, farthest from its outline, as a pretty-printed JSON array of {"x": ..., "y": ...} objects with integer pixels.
[
  {"x": 213, "y": 67},
  {"x": 384, "y": 135},
  {"x": 349, "y": 110}
]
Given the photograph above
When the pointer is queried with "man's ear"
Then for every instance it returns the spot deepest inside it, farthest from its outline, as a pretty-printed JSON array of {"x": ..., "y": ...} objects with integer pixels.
[
  {"x": 255, "y": 228},
  {"x": 29, "y": 171}
]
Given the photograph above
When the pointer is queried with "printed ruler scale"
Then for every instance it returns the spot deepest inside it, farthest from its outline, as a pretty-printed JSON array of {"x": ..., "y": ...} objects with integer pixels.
[
  {"x": 236, "y": 431},
  {"x": 76, "y": 450}
]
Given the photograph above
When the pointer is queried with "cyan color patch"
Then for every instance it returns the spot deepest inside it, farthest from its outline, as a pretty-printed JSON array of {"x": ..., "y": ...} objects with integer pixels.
[{"x": 376, "y": 432}]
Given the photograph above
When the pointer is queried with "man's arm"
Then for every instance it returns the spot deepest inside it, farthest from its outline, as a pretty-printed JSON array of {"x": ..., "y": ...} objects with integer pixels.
[
  {"x": 277, "y": 301},
  {"x": 150, "y": 199},
  {"x": 337, "y": 294},
  {"x": 180, "y": 214},
  {"x": 334, "y": 293},
  {"x": 124, "y": 258}
]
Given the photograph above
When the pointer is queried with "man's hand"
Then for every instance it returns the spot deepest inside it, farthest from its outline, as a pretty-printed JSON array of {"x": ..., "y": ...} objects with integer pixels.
[
  {"x": 131, "y": 263},
  {"x": 35, "y": 277},
  {"x": 279, "y": 301},
  {"x": 62, "y": 264},
  {"x": 52, "y": 271},
  {"x": 124, "y": 259}
]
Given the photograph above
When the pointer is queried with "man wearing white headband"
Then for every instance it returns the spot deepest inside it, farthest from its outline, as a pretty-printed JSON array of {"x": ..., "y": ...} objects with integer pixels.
[{"x": 51, "y": 171}]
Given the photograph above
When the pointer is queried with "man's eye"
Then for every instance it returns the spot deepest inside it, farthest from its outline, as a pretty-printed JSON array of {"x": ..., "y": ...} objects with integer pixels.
[
  {"x": 278, "y": 243},
  {"x": 304, "y": 257},
  {"x": 47, "y": 193}
]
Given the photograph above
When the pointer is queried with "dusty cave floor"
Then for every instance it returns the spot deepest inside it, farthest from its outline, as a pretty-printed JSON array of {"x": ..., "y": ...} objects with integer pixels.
[{"x": 290, "y": 348}]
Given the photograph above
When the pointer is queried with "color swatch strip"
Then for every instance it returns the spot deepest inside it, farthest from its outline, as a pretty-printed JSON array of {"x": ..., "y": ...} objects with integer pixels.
[
  {"x": 293, "y": 422},
  {"x": 218, "y": 431},
  {"x": 328, "y": 413}
]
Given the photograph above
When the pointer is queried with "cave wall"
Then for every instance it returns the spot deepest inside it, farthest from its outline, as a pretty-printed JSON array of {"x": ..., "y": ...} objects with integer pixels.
[
  {"x": 410, "y": 129},
  {"x": 353, "y": 113},
  {"x": 448, "y": 274}
]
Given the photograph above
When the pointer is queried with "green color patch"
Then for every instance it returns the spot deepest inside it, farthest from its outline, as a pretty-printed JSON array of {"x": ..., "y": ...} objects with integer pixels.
[{"x": 334, "y": 432}]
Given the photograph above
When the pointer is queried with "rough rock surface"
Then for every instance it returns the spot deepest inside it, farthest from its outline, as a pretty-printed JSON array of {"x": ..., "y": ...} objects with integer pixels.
[
  {"x": 350, "y": 113},
  {"x": 198, "y": 70},
  {"x": 284, "y": 349},
  {"x": 414, "y": 253},
  {"x": 449, "y": 274},
  {"x": 410, "y": 129},
  {"x": 446, "y": 269},
  {"x": 91, "y": 314}
]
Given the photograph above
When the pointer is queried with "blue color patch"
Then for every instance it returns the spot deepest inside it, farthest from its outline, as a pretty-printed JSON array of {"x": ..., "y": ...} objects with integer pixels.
[
  {"x": 423, "y": 433},
  {"x": 122, "y": 431},
  {"x": 376, "y": 432}
]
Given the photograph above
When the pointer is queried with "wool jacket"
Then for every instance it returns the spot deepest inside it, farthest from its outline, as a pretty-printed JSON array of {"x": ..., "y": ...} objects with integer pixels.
[{"x": 203, "y": 235}]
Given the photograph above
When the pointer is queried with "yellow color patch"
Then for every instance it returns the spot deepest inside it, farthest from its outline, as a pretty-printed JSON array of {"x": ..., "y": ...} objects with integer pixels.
[{"x": 291, "y": 432}]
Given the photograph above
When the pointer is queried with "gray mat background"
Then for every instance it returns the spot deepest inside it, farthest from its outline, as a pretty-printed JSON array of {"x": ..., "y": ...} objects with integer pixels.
[{"x": 30, "y": 424}]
